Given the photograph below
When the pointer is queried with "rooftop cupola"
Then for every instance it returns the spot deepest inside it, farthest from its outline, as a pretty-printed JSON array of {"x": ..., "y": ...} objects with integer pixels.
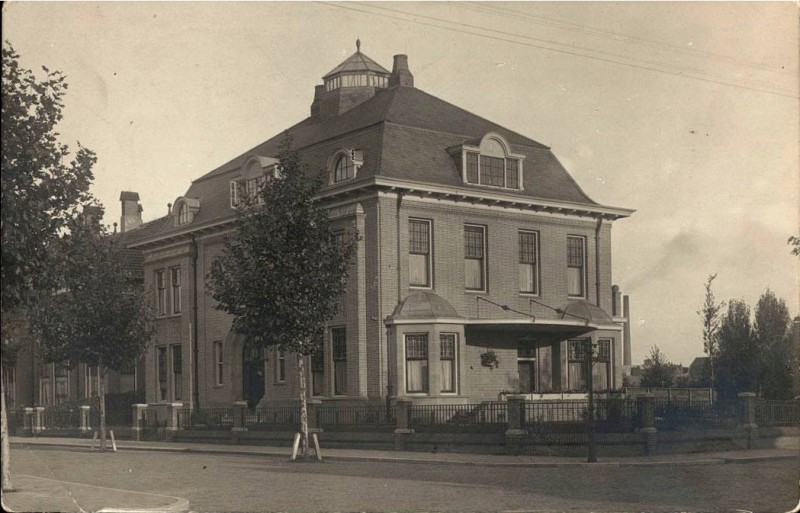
[{"x": 354, "y": 81}]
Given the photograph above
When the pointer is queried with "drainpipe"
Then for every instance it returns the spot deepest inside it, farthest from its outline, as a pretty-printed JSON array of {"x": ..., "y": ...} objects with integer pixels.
[
  {"x": 196, "y": 367},
  {"x": 597, "y": 259},
  {"x": 399, "y": 263}
]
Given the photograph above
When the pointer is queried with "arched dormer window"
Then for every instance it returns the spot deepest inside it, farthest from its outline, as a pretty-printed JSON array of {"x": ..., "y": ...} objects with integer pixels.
[
  {"x": 255, "y": 172},
  {"x": 185, "y": 210},
  {"x": 490, "y": 163},
  {"x": 344, "y": 165}
]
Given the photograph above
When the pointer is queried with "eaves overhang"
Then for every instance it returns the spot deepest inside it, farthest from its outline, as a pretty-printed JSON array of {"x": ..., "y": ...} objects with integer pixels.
[{"x": 471, "y": 195}]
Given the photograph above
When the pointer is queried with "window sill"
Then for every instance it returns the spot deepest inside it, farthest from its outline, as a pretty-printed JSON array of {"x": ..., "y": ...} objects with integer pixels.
[
  {"x": 468, "y": 291},
  {"x": 529, "y": 294},
  {"x": 168, "y": 316}
]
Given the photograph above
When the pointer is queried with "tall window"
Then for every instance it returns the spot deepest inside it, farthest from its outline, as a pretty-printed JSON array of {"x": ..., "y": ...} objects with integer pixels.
[
  {"x": 576, "y": 267},
  {"x": 183, "y": 214},
  {"x": 45, "y": 384},
  {"x": 161, "y": 292},
  {"x": 176, "y": 289},
  {"x": 339, "y": 350},
  {"x": 419, "y": 253},
  {"x": 177, "y": 373},
  {"x": 91, "y": 381},
  {"x": 234, "y": 194},
  {"x": 577, "y": 364},
  {"x": 526, "y": 366},
  {"x": 280, "y": 366},
  {"x": 62, "y": 383},
  {"x": 219, "y": 363},
  {"x": 601, "y": 379},
  {"x": 475, "y": 257},
  {"x": 10, "y": 385},
  {"x": 344, "y": 169},
  {"x": 447, "y": 362},
  {"x": 528, "y": 262},
  {"x": 318, "y": 371},
  {"x": 417, "y": 363},
  {"x": 161, "y": 372}
]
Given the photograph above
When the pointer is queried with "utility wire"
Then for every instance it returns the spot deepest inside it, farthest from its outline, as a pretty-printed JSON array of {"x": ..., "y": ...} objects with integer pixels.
[
  {"x": 564, "y": 51},
  {"x": 616, "y": 36}
]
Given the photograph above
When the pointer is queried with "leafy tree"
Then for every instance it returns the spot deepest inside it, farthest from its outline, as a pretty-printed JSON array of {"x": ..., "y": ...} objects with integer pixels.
[
  {"x": 100, "y": 316},
  {"x": 657, "y": 370},
  {"x": 794, "y": 242},
  {"x": 283, "y": 269},
  {"x": 738, "y": 362},
  {"x": 771, "y": 334},
  {"x": 42, "y": 187},
  {"x": 710, "y": 314}
]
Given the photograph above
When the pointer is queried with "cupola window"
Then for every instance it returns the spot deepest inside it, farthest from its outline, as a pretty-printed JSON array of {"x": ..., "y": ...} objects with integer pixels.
[{"x": 491, "y": 164}]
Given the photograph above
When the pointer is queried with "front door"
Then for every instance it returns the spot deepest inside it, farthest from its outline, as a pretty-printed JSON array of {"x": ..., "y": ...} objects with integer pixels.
[{"x": 253, "y": 383}]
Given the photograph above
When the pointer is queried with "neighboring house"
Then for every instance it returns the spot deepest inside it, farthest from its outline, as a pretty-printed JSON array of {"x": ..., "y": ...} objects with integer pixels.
[{"x": 473, "y": 238}]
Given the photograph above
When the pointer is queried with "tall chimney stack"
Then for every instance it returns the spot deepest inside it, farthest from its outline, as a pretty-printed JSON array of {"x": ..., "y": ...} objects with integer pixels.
[
  {"x": 318, "y": 90},
  {"x": 131, "y": 211},
  {"x": 401, "y": 75}
]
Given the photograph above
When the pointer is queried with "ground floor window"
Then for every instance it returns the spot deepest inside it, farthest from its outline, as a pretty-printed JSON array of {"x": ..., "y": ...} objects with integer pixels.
[
  {"x": 576, "y": 366},
  {"x": 417, "y": 363},
  {"x": 161, "y": 372},
  {"x": 177, "y": 373},
  {"x": 45, "y": 385},
  {"x": 280, "y": 366},
  {"x": 339, "y": 351},
  {"x": 318, "y": 371},
  {"x": 448, "y": 348},
  {"x": 91, "y": 381},
  {"x": 219, "y": 363},
  {"x": 62, "y": 383},
  {"x": 601, "y": 378}
]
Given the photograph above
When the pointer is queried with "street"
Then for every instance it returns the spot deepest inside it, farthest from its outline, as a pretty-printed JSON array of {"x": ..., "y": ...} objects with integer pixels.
[{"x": 214, "y": 482}]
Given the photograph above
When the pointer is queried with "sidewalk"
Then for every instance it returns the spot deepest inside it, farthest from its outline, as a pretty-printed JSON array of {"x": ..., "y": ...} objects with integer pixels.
[{"x": 490, "y": 460}]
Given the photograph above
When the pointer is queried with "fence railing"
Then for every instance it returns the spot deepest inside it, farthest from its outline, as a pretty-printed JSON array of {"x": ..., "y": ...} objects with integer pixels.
[
  {"x": 205, "y": 418},
  {"x": 61, "y": 418},
  {"x": 358, "y": 417},
  {"x": 697, "y": 414},
  {"x": 272, "y": 418},
  {"x": 778, "y": 413},
  {"x": 454, "y": 417}
]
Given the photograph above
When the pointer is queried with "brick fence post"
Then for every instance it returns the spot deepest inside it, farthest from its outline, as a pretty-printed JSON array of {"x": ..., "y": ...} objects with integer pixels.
[
  {"x": 172, "y": 420},
  {"x": 85, "y": 424},
  {"x": 516, "y": 423},
  {"x": 38, "y": 420},
  {"x": 28, "y": 421},
  {"x": 138, "y": 420},
  {"x": 748, "y": 420},
  {"x": 647, "y": 407},
  {"x": 402, "y": 432},
  {"x": 238, "y": 421}
]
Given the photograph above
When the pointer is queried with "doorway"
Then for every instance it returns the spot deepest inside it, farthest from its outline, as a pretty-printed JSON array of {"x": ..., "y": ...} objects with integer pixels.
[{"x": 253, "y": 380}]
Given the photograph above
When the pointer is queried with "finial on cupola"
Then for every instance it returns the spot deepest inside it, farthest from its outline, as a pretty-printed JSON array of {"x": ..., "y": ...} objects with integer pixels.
[{"x": 358, "y": 45}]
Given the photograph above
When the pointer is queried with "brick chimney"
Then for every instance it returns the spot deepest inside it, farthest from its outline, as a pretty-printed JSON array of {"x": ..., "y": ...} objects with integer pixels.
[
  {"x": 131, "y": 211},
  {"x": 401, "y": 75}
]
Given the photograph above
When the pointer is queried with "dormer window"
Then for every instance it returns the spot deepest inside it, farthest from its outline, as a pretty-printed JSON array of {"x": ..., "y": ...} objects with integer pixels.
[
  {"x": 491, "y": 163},
  {"x": 255, "y": 172},
  {"x": 346, "y": 163},
  {"x": 185, "y": 210}
]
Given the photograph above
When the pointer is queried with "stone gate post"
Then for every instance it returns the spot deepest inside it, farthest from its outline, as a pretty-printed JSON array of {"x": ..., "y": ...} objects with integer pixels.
[{"x": 748, "y": 418}]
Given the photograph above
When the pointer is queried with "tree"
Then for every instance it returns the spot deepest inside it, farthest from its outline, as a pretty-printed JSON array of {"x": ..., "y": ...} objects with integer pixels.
[
  {"x": 794, "y": 242},
  {"x": 771, "y": 334},
  {"x": 657, "y": 370},
  {"x": 99, "y": 317},
  {"x": 42, "y": 189},
  {"x": 283, "y": 268},
  {"x": 710, "y": 314},
  {"x": 738, "y": 364}
]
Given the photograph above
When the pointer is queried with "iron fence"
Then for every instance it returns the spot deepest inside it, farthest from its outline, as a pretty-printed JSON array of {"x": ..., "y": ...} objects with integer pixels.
[
  {"x": 777, "y": 413},
  {"x": 355, "y": 417},
  {"x": 272, "y": 418},
  {"x": 673, "y": 414},
  {"x": 61, "y": 418},
  {"x": 205, "y": 418},
  {"x": 489, "y": 416}
]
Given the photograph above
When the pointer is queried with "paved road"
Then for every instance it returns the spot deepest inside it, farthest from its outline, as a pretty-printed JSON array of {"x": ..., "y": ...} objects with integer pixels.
[{"x": 257, "y": 483}]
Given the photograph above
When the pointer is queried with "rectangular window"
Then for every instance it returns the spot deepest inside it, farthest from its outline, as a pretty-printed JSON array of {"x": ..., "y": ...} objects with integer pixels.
[
  {"x": 475, "y": 257},
  {"x": 280, "y": 366},
  {"x": 512, "y": 173},
  {"x": 528, "y": 262},
  {"x": 45, "y": 386},
  {"x": 91, "y": 381},
  {"x": 577, "y": 364},
  {"x": 318, "y": 371},
  {"x": 417, "y": 364},
  {"x": 234, "y": 194},
  {"x": 161, "y": 292},
  {"x": 339, "y": 350},
  {"x": 576, "y": 267},
  {"x": 492, "y": 171},
  {"x": 601, "y": 376},
  {"x": 177, "y": 373},
  {"x": 219, "y": 363},
  {"x": 62, "y": 383},
  {"x": 419, "y": 253},
  {"x": 161, "y": 372},
  {"x": 472, "y": 167},
  {"x": 176, "y": 289},
  {"x": 447, "y": 362}
]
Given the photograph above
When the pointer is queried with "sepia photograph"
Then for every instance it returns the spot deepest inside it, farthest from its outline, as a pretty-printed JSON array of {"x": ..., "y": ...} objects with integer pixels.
[{"x": 351, "y": 256}]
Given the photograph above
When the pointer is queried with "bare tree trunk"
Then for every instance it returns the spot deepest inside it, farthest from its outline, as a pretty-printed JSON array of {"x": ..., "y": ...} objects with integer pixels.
[
  {"x": 301, "y": 369},
  {"x": 101, "y": 376},
  {"x": 6, "y": 448}
]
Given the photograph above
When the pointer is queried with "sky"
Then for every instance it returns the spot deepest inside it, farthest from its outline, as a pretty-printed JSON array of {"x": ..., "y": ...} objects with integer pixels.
[{"x": 685, "y": 112}]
